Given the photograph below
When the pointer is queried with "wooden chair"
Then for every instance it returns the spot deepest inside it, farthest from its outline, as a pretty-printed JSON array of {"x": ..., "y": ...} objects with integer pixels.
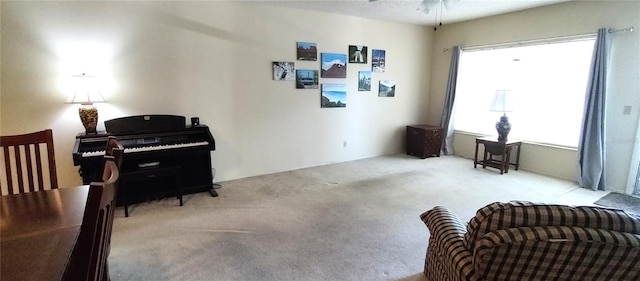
[
  {"x": 116, "y": 149},
  {"x": 22, "y": 153},
  {"x": 89, "y": 259}
]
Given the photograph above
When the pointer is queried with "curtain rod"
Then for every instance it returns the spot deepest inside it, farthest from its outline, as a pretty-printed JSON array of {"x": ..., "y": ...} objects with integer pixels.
[
  {"x": 628, "y": 29},
  {"x": 540, "y": 41},
  {"x": 567, "y": 38}
]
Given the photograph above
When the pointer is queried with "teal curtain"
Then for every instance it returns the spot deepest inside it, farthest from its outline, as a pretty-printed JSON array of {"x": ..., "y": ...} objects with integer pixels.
[
  {"x": 591, "y": 147},
  {"x": 447, "y": 108}
]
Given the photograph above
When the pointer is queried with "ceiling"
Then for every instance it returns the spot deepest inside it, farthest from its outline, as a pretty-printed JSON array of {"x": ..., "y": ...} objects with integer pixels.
[{"x": 409, "y": 11}]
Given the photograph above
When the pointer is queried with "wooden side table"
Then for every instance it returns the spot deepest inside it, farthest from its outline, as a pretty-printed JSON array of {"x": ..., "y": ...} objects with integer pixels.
[{"x": 493, "y": 147}]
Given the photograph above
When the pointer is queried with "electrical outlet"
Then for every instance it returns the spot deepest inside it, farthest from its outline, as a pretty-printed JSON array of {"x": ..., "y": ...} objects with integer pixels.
[
  {"x": 627, "y": 110},
  {"x": 344, "y": 144}
]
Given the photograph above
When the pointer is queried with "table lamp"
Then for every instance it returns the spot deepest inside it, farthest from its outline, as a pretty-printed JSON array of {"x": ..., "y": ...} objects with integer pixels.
[
  {"x": 502, "y": 103},
  {"x": 85, "y": 92}
]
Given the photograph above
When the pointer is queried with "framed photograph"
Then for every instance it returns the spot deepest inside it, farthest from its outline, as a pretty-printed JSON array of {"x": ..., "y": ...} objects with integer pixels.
[
  {"x": 364, "y": 80},
  {"x": 387, "y": 88},
  {"x": 377, "y": 60},
  {"x": 333, "y": 65},
  {"x": 283, "y": 70},
  {"x": 306, "y": 79},
  {"x": 357, "y": 54},
  {"x": 334, "y": 95},
  {"x": 307, "y": 51}
]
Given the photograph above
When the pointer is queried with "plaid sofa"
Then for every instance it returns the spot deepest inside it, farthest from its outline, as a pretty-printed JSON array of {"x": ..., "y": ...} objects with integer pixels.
[{"x": 528, "y": 241}]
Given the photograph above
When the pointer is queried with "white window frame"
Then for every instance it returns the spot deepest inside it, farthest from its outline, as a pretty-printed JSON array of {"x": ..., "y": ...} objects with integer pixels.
[{"x": 475, "y": 90}]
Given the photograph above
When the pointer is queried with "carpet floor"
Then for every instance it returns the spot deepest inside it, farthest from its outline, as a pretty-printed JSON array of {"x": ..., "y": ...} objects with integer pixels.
[{"x": 356, "y": 220}]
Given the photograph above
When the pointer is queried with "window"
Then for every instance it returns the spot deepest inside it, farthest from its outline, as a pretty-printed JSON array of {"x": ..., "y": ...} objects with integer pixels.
[{"x": 547, "y": 82}]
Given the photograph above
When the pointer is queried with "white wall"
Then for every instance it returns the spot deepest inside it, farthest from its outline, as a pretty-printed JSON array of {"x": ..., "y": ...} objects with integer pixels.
[
  {"x": 212, "y": 60},
  {"x": 571, "y": 18}
]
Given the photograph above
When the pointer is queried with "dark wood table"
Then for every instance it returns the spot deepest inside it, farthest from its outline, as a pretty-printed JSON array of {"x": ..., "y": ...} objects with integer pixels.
[
  {"x": 38, "y": 232},
  {"x": 494, "y": 147}
]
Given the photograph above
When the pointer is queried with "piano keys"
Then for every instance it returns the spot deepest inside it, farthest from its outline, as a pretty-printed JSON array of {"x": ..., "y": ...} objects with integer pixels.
[
  {"x": 151, "y": 141},
  {"x": 147, "y": 148}
]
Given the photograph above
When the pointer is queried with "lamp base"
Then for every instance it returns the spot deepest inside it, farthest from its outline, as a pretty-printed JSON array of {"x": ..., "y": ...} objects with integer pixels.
[
  {"x": 89, "y": 118},
  {"x": 503, "y": 127}
]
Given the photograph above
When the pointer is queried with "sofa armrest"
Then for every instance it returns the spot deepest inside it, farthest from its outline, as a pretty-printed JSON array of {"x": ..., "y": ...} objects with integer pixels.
[{"x": 447, "y": 257}]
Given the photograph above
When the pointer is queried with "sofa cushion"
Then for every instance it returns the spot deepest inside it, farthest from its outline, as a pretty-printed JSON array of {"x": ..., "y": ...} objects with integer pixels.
[
  {"x": 557, "y": 253},
  {"x": 513, "y": 214}
]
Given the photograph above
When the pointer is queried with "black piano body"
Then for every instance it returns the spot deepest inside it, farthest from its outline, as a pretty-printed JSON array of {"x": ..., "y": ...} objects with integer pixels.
[{"x": 151, "y": 142}]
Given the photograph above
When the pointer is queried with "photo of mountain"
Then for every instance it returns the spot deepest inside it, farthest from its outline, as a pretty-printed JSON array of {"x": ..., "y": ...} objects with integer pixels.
[
  {"x": 377, "y": 60},
  {"x": 387, "y": 88},
  {"x": 334, "y": 95},
  {"x": 333, "y": 65},
  {"x": 364, "y": 80},
  {"x": 307, "y": 51}
]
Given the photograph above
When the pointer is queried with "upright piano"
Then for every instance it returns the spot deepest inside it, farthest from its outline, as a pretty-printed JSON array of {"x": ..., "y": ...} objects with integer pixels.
[{"x": 151, "y": 142}]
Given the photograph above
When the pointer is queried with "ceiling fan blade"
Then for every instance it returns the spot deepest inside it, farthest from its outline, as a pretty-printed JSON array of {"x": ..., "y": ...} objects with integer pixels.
[
  {"x": 427, "y": 5},
  {"x": 449, "y": 4}
]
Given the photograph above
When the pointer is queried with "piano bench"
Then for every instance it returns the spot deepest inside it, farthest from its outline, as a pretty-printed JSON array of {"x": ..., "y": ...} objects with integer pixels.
[{"x": 146, "y": 174}]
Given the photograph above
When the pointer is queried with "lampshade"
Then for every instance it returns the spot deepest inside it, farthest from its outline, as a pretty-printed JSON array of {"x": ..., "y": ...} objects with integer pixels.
[
  {"x": 85, "y": 90},
  {"x": 502, "y": 101}
]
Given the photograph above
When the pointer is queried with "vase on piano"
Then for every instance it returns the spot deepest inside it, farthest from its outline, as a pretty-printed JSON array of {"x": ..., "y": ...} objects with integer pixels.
[{"x": 89, "y": 118}]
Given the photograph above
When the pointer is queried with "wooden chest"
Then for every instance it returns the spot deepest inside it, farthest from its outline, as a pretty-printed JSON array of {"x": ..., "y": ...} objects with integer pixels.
[{"x": 424, "y": 140}]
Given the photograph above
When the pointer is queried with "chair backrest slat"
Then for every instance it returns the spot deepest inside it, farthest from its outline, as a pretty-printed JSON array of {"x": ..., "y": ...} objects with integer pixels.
[
  {"x": 19, "y": 169},
  {"x": 7, "y": 169},
  {"x": 51, "y": 157},
  {"x": 39, "y": 171},
  {"x": 21, "y": 150},
  {"x": 29, "y": 166}
]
